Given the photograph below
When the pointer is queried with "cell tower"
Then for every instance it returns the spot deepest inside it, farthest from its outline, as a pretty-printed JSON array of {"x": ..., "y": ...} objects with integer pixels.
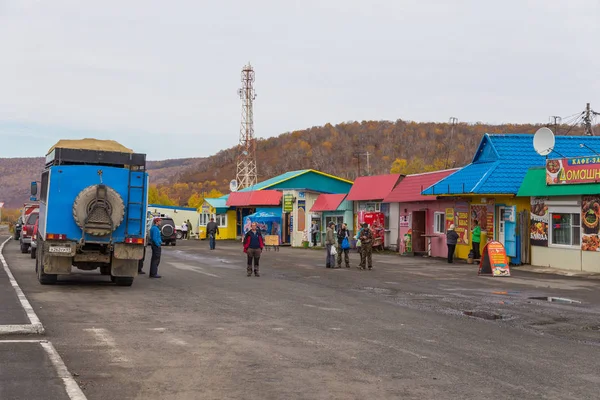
[{"x": 246, "y": 175}]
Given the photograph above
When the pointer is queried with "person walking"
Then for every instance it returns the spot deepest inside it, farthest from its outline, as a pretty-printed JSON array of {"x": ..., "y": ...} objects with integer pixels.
[
  {"x": 314, "y": 229},
  {"x": 476, "y": 240},
  {"x": 329, "y": 242},
  {"x": 366, "y": 247},
  {"x": 155, "y": 243},
  {"x": 343, "y": 236},
  {"x": 190, "y": 228},
  {"x": 253, "y": 245},
  {"x": 451, "y": 240},
  {"x": 184, "y": 231},
  {"x": 212, "y": 229}
]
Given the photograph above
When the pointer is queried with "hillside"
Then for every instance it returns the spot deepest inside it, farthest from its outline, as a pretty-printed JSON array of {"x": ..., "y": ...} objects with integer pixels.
[{"x": 335, "y": 149}]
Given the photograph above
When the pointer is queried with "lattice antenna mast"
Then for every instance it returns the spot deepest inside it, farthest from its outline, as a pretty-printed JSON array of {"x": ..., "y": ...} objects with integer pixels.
[{"x": 246, "y": 175}]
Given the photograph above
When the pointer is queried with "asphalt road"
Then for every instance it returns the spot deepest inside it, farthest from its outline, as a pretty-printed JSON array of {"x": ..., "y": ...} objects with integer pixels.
[{"x": 300, "y": 331}]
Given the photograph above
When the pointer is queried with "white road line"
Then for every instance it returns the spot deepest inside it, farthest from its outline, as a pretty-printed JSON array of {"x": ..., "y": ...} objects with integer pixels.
[
  {"x": 72, "y": 388},
  {"x": 398, "y": 349},
  {"x": 105, "y": 339},
  {"x": 36, "y": 324},
  {"x": 186, "y": 267}
]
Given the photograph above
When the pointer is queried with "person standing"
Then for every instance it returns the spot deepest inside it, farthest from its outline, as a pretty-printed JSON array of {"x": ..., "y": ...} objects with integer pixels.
[
  {"x": 314, "y": 229},
  {"x": 184, "y": 231},
  {"x": 253, "y": 245},
  {"x": 190, "y": 228},
  {"x": 212, "y": 229},
  {"x": 366, "y": 247},
  {"x": 476, "y": 240},
  {"x": 451, "y": 240},
  {"x": 329, "y": 242},
  {"x": 155, "y": 243},
  {"x": 342, "y": 234}
]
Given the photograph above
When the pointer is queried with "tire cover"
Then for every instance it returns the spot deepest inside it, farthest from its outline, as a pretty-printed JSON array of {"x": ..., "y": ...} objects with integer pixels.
[
  {"x": 86, "y": 197},
  {"x": 167, "y": 230}
]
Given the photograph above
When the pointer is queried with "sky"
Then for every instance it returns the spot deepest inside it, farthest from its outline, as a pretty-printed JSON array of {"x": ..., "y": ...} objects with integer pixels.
[{"x": 162, "y": 77}]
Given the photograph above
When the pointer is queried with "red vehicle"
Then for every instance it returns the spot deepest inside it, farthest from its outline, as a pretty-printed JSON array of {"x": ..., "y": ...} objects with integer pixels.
[
  {"x": 27, "y": 231},
  {"x": 34, "y": 239}
]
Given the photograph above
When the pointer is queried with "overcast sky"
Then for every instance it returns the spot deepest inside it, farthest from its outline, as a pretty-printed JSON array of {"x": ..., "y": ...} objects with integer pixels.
[{"x": 162, "y": 77}]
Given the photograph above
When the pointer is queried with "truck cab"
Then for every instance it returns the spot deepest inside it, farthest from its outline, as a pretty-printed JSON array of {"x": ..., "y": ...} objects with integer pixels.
[{"x": 92, "y": 210}]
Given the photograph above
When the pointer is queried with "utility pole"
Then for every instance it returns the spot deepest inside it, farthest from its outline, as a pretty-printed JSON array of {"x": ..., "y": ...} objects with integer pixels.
[
  {"x": 357, "y": 155},
  {"x": 368, "y": 164},
  {"x": 246, "y": 174},
  {"x": 453, "y": 122},
  {"x": 587, "y": 121},
  {"x": 555, "y": 120}
]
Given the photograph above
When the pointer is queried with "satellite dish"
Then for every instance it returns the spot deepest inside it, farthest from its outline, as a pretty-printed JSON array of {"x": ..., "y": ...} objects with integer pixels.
[
  {"x": 233, "y": 186},
  {"x": 543, "y": 141}
]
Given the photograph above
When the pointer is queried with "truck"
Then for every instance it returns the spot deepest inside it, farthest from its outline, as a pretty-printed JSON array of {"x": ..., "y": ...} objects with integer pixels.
[{"x": 93, "y": 202}]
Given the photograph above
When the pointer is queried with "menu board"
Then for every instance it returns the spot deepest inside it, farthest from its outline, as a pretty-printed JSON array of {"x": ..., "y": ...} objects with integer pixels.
[
  {"x": 590, "y": 220},
  {"x": 461, "y": 212},
  {"x": 494, "y": 260}
]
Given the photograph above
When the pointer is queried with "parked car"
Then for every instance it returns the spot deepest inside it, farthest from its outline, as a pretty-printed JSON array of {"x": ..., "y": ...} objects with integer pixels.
[
  {"x": 27, "y": 231},
  {"x": 168, "y": 232},
  {"x": 33, "y": 249},
  {"x": 18, "y": 227}
]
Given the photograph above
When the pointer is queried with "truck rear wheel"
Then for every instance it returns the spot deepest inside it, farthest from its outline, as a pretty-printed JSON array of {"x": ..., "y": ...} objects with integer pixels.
[
  {"x": 123, "y": 280},
  {"x": 43, "y": 278}
]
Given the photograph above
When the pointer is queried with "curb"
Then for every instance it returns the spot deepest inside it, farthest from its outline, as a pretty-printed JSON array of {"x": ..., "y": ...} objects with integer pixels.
[{"x": 36, "y": 326}]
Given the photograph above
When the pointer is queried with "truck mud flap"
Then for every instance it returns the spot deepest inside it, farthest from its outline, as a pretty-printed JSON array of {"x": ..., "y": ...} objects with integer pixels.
[
  {"x": 56, "y": 265},
  {"x": 124, "y": 267},
  {"x": 123, "y": 251}
]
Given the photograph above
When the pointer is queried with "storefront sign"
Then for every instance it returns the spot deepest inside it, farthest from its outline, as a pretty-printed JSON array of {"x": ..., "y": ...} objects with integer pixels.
[
  {"x": 590, "y": 222},
  {"x": 449, "y": 217},
  {"x": 494, "y": 260},
  {"x": 288, "y": 203},
  {"x": 573, "y": 170},
  {"x": 539, "y": 220},
  {"x": 291, "y": 224},
  {"x": 462, "y": 222},
  {"x": 484, "y": 214},
  {"x": 404, "y": 222}
]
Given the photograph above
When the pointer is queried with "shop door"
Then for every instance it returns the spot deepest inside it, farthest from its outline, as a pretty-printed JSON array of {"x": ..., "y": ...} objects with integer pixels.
[
  {"x": 507, "y": 229},
  {"x": 285, "y": 232},
  {"x": 418, "y": 230}
]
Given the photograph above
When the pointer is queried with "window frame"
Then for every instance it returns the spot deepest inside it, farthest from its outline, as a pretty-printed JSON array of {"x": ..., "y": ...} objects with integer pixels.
[
  {"x": 564, "y": 210},
  {"x": 436, "y": 217},
  {"x": 221, "y": 220}
]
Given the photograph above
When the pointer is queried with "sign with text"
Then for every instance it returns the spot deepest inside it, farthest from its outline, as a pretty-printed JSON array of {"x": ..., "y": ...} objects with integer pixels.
[
  {"x": 573, "y": 170},
  {"x": 493, "y": 260},
  {"x": 461, "y": 210},
  {"x": 539, "y": 219},
  {"x": 449, "y": 217},
  {"x": 484, "y": 214},
  {"x": 288, "y": 203}
]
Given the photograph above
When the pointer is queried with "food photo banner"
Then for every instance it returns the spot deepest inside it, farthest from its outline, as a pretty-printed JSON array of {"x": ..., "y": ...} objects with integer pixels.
[{"x": 573, "y": 170}]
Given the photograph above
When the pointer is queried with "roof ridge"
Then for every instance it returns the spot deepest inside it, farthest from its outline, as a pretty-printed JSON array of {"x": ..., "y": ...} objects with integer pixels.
[
  {"x": 432, "y": 172},
  {"x": 484, "y": 177}
]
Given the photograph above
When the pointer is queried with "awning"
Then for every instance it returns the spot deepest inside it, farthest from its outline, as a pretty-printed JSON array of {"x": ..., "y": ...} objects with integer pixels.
[
  {"x": 327, "y": 202},
  {"x": 410, "y": 188},
  {"x": 254, "y": 198},
  {"x": 534, "y": 185},
  {"x": 375, "y": 187}
]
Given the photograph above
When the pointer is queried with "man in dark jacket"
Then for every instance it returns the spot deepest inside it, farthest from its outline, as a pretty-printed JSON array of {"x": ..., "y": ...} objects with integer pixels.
[
  {"x": 342, "y": 234},
  {"x": 253, "y": 245},
  {"x": 451, "y": 240},
  {"x": 212, "y": 229}
]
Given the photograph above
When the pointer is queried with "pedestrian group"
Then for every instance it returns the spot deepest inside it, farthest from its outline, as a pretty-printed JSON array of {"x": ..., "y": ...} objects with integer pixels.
[{"x": 339, "y": 244}]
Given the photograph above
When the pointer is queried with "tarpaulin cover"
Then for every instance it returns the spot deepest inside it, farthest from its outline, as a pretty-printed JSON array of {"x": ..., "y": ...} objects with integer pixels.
[
  {"x": 90, "y": 144},
  {"x": 268, "y": 223}
]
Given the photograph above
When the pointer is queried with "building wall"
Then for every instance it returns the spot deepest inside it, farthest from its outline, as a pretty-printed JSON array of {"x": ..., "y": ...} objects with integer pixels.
[
  {"x": 309, "y": 198},
  {"x": 438, "y": 243},
  {"x": 559, "y": 258},
  {"x": 179, "y": 215},
  {"x": 314, "y": 181},
  {"x": 227, "y": 232}
]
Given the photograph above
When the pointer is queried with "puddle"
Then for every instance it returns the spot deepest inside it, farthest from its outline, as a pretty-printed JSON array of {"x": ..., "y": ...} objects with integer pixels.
[
  {"x": 555, "y": 300},
  {"x": 483, "y": 315}
]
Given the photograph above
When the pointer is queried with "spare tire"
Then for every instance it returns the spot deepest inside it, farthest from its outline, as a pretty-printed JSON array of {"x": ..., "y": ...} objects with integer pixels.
[
  {"x": 167, "y": 230},
  {"x": 85, "y": 203}
]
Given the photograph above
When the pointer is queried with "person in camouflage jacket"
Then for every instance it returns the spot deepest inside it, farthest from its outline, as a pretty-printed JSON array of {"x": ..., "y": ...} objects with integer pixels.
[{"x": 366, "y": 247}]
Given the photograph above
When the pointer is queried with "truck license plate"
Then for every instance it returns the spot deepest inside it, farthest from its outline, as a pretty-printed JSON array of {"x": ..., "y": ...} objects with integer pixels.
[{"x": 59, "y": 249}]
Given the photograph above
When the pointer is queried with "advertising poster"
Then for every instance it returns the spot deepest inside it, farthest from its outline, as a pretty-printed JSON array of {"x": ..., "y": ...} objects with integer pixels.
[
  {"x": 494, "y": 260},
  {"x": 268, "y": 223},
  {"x": 484, "y": 213},
  {"x": 573, "y": 170},
  {"x": 288, "y": 203},
  {"x": 376, "y": 221},
  {"x": 449, "y": 217},
  {"x": 590, "y": 221},
  {"x": 461, "y": 212},
  {"x": 404, "y": 221},
  {"x": 301, "y": 216},
  {"x": 539, "y": 220}
]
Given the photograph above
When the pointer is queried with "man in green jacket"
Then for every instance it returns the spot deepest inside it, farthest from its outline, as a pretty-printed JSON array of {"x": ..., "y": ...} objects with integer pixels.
[
  {"x": 329, "y": 242},
  {"x": 476, "y": 240}
]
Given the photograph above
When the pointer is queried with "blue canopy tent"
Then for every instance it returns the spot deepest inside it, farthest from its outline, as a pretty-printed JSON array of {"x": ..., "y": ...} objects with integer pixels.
[{"x": 269, "y": 223}]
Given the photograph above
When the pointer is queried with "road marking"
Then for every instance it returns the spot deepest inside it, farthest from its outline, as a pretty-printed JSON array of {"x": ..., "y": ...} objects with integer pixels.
[
  {"x": 72, "y": 388},
  {"x": 277, "y": 329},
  {"x": 335, "y": 329},
  {"x": 398, "y": 349},
  {"x": 178, "y": 342},
  {"x": 107, "y": 340},
  {"x": 158, "y": 329},
  {"x": 186, "y": 267},
  {"x": 36, "y": 325}
]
